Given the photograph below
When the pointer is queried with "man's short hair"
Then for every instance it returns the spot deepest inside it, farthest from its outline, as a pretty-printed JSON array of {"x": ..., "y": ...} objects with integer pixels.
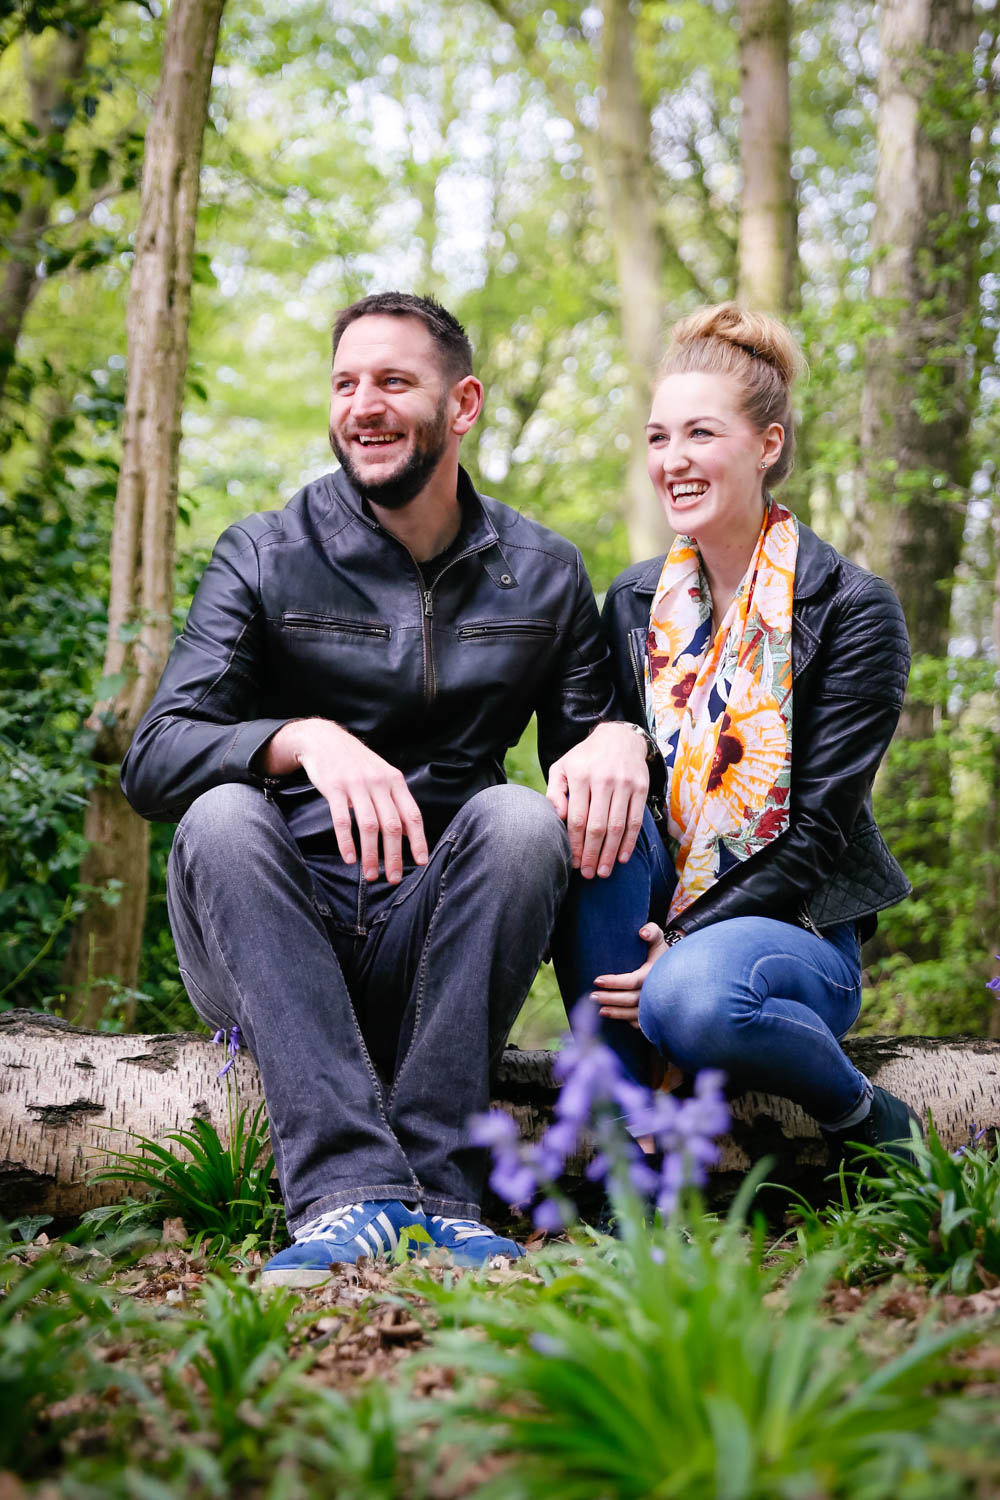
[{"x": 450, "y": 338}]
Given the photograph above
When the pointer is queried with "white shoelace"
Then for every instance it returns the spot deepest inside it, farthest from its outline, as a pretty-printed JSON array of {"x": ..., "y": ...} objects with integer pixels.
[
  {"x": 465, "y": 1229},
  {"x": 376, "y": 1236}
]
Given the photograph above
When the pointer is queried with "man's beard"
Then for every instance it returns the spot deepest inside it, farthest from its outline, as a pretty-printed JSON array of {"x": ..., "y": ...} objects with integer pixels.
[{"x": 430, "y": 439}]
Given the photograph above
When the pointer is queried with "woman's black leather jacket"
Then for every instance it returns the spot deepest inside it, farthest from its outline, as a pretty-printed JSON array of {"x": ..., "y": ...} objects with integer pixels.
[
  {"x": 850, "y": 662},
  {"x": 315, "y": 610}
]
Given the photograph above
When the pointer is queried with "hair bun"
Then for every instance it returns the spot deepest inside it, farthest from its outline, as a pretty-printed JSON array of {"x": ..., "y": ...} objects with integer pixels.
[{"x": 755, "y": 333}]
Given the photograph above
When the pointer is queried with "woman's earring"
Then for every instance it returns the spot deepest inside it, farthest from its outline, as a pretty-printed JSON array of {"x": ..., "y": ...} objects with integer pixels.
[{"x": 763, "y": 464}]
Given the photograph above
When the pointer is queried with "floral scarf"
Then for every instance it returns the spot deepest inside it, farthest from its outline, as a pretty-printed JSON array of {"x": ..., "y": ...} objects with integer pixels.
[{"x": 720, "y": 709}]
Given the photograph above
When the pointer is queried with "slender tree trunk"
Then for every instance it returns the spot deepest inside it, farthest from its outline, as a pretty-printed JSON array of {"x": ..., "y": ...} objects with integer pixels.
[
  {"x": 628, "y": 191},
  {"x": 53, "y": 66},
  {"x": 767, "y": 242},
  {"x": 105, "y": 945},
  {"x": 68, "y": 1099},
  {"x": 917, "y": 397}
]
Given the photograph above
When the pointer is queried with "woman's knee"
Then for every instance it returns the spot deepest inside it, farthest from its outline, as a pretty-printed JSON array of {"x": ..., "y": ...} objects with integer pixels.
[{"x": 688, "y": 1011}]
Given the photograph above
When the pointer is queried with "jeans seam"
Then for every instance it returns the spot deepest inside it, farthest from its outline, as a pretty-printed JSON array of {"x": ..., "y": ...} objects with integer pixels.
[
  {"x": 215, "y": 935},
  {"x": 813, "y": 969},
  {"x": 421, "y": 986},
  {"x": 377, "y": 1087},
  {"x": 216, "y": 1016},
  {"x": 373, "y": 1075}
]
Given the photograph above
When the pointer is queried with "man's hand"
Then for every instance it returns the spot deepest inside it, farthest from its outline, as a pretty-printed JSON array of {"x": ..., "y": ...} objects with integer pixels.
[
  {"x": 599, "y": 790},
  {"x": 352, "y": 778},
  {"x": 618, "y": 994}
]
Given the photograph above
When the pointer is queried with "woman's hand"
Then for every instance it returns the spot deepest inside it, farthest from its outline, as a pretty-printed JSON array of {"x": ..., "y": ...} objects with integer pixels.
[{"x": 618, "y": 994}]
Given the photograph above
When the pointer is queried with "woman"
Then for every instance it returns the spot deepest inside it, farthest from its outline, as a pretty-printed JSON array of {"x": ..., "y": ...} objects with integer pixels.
[{"x": 769, "y": 673}]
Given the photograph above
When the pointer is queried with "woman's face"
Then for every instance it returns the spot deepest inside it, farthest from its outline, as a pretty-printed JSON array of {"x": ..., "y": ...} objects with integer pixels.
[{"x": 704, "y": 457}]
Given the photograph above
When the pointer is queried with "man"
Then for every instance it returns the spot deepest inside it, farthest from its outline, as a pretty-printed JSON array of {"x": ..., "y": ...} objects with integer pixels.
[{"x": 352, "y": 883}]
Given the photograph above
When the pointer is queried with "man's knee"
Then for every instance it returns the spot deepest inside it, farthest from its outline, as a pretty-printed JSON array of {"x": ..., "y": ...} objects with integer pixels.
[
  {"x": 521, "y": 826},
  {"x": 221, "y": 807},
  {"x": 221, "y": 824}
]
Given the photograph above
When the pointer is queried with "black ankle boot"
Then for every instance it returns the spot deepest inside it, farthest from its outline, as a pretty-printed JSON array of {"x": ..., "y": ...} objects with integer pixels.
[{"x": 886, "y": 1124}]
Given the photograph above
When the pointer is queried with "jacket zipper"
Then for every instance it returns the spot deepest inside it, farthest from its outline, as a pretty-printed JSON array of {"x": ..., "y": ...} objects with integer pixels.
[
  {"x": 427, "y": 614},
  {"x": 514, "y": 627},
  {"x": 639, "y": 684},
  {"x": 331, "y": 622},
  {"x": 430, "y": 679}
]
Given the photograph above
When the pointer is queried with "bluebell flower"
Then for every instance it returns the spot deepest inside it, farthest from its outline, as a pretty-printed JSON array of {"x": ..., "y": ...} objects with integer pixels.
[
  {"x": 544, "y": 1343},
  {"x": 595, "y": 1093},
  {"x": 235, "y": 1042},
  {"x": 551, "y": 1215},
  {"x": 495, "y": 1129},
  {"x": 513, "y": 1179},
  {"x": 975, "y": 1136}
]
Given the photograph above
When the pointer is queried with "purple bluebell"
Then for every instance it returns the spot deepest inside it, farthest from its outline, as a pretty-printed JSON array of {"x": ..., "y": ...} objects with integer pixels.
[
  {"x": 552, "y": 1216},
  {"x": 494, "y": 1130},
  {"x": 595, "y": 1093},
  {"x": 235, "y": 1042},
  {"x": 544, "y": 1343}
]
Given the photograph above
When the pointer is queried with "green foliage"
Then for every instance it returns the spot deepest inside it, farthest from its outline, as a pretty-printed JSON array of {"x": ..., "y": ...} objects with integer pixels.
[
  {"x": 54, "y": 524},
  {"x": 684, "y": 1364},
  {"x": 351, "y": 150},
  {"x": 52, "y": 1325},
  {"x": 931, "y": 959},
  {"x": 222, "y": 1405},
  {"x": 940, "y": 1217},
  {"x": 221, "y": 1191}
]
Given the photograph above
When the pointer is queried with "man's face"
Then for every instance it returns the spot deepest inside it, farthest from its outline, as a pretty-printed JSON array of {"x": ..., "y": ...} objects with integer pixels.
[{"x": 390, "y": 408}]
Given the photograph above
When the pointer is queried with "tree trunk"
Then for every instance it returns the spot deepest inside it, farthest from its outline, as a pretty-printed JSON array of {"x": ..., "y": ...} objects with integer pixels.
[
  {"x": 52, "y": 67},
  {"x": 68, "y": 1098},
  {"x": 626, "y": 186},
  {"x": 767, "y": 243},
  {"x": 917, "y": 397},
  {"x": 104, "y": 951}
]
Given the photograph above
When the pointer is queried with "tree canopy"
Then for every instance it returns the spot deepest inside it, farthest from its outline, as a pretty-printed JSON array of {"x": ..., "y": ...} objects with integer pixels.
[{"x": 568, "y": 180}]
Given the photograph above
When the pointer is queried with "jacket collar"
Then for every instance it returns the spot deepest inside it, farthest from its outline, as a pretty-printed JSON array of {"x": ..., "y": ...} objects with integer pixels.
[
  {"x": 475, "y": 532},
  {"x": 814, "y": 563}
]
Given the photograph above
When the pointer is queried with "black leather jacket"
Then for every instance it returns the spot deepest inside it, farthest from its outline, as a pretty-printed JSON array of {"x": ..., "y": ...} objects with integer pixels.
[
  {"x": 315, "y": 610},
  {"x": 850, "y": 662}
]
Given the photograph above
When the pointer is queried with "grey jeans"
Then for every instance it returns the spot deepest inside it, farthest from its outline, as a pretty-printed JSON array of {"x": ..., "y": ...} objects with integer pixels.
[{"x": 374, "y": 1012}]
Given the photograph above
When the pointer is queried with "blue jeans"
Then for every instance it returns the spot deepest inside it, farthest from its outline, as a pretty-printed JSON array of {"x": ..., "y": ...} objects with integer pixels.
[
  {"x": 762, "y": 999},
  {"x": 374, "y": 1012}
]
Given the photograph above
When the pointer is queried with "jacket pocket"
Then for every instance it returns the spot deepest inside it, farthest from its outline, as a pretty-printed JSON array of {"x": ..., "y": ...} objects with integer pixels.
[
  {"x": 303, "y": 620},
  {"x": 492, "y": 630}
]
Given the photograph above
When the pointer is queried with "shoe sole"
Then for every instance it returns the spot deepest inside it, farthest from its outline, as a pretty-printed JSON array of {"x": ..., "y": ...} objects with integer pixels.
[{"x": 298, "y": 1276}]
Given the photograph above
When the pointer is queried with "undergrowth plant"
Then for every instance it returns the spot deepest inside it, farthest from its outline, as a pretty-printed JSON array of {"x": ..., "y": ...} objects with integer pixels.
[
  {"x": 937, "y": 1216},
  {"x": 682, "y": 1364},
  {"x": 53, "y": 1325},
  {"x": 221, "y": 1190}
]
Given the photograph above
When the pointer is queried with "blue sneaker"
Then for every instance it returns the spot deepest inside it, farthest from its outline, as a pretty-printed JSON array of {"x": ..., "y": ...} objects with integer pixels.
[
  {"x": 344, "y": 1235},
  {"x": 470, "y": 1242}
]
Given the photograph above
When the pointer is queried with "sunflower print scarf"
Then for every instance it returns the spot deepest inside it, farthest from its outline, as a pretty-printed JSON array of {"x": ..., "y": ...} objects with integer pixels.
[{"x": 720, "y": 709}]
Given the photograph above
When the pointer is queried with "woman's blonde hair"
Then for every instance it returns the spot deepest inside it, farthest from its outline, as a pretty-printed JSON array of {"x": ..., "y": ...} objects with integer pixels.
[{"x": 755, "y": 348}]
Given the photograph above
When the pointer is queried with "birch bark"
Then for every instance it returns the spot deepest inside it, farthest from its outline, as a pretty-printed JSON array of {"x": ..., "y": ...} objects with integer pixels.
[
  {"x": 767, "y": 242},
  {"x": 68, "y": 1098}
]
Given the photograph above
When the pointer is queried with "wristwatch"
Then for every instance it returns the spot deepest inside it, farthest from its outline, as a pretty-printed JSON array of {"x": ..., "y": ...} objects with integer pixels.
[{"x": 652, "y": 749}]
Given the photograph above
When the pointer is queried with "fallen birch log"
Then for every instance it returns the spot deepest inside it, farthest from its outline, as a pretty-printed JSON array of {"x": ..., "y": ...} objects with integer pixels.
[{"x": 69, "y": 1098}]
